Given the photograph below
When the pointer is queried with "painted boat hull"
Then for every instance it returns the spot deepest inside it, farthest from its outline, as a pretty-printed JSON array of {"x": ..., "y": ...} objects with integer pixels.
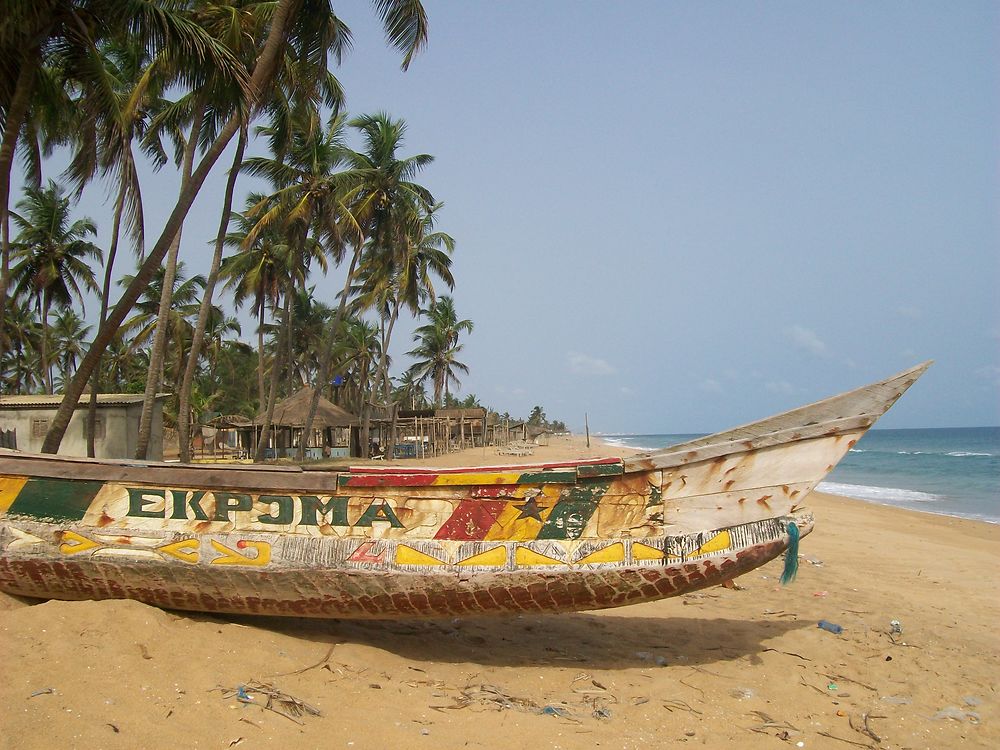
[
  {"x": 367, "y": 593},
  {"x": 391, "y": 542}
]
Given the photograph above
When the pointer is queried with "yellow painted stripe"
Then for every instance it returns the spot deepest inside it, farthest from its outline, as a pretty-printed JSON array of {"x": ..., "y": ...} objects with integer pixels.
[
  {"x": 495, "y": 557},
  {"x": 612, "y": 553},
  {"x": 492, "y": 477},
  {"x": 525, "y": 556},
  {"x": 409, "y": 556},
  {"x": 10, "y": 488},
  {"x": 642, "y": 551},
  {"x": 717, "y": 543}
]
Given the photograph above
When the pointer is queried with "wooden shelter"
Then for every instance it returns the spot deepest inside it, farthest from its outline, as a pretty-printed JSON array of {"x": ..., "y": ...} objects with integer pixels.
[
  {"x": 225, "y": 437},
  {"x": 335, "y": 431},
  {"x": 433, "y": 432}
]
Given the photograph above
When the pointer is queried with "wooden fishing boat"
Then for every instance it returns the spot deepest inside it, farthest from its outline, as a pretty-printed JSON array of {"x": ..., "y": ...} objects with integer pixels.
[{"x": 395, "y": 542}]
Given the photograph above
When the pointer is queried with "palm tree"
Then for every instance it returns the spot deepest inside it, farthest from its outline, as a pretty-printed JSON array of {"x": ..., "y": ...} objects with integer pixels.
[
  {"x": 310, "y": 318},
  {"x": 257, "y": 272},
  {"x": 70, "y": 36},
  {"x": 69, "y": 337},
  {"x": 438, "y": 347},
  {"x": 403, "y": 278},
  {"x": 384, "y": 200},
  {"x": 19, "y": 370},
  {"x": 537, "y": 416},
  {"x": 358, "y": 348},
  {"x": 307, "y": 207},
  {"x": 406, "y": 27},
  {"x": 125, "y": 367},
  {"x": 52, "y": 257},
  {"x": 284, "y": 19},
  {"x": 443, "y": 317},
  {"x": 410, "y": 389},
  {"x": 185, "y": 297}
]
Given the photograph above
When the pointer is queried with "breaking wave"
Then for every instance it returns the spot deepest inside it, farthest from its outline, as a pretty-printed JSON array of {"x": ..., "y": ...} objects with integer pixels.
[{"x": 888, "y": 495}]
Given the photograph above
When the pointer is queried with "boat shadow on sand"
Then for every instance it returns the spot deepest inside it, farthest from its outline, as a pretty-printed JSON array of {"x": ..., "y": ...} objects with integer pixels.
[{"x": 595, "y": 641}]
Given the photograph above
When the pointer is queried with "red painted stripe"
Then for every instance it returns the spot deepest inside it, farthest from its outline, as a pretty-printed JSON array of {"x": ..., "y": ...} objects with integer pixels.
[
  {"x": 389, "y": 480},
  {"x": 508, "y": 468},
  {"x": 471, "y": 520}
]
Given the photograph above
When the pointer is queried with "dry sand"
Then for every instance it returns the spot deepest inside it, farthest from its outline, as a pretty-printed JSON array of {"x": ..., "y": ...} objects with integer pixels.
[{"x": 718, "y": 668}]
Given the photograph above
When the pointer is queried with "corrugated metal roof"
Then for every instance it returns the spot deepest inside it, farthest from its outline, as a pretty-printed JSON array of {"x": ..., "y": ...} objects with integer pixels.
[{"x": 42, "y": 401}]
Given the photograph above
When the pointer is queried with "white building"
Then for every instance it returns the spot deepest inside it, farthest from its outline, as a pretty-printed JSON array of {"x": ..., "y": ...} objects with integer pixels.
[{"x": 116, "y": 430}]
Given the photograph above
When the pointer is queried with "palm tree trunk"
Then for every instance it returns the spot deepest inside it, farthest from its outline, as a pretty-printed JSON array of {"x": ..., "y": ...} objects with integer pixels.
[
  {"x": 157, "y": 357},
  {"x": 272, "y": 394},
  {"x": 184, "y": 400},
  {"x": 43, "y": 351},
  {"x": 328, "y": 345},
  {"x": 154, "y": 377},
  {"x": 380, "y": 383},
  {"x": 95, "y": 381},
  {"x": 16, "y": 111},
  {"x": 263, "y": 76},
  {"x": 260, "y": 353}
]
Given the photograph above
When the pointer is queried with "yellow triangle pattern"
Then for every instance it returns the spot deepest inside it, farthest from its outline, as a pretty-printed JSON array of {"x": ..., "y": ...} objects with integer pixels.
[
  {"x": 642, "y": 551},
  {"x": 495, "y": 557},
  {"x": 525, "y": 556},
  {"x": 409, "y": 556},
  {"x": 186, "y": 550},
  {"x": 610, "y": 554},
  {"x": 717, "y": 543},
  {"x": 73, "y": 543}
]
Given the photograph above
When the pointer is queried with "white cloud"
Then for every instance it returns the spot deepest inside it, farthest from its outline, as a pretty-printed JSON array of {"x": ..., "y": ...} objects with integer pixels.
[
  {"x": 780, "y": 386},
  {"x": 909, "y": 311},
  {"x": 805, "y": 338},
  {"x": 626, "y": 391},
  {"x": 711, "y": 385},
  {"x": 584, "y": 364}
]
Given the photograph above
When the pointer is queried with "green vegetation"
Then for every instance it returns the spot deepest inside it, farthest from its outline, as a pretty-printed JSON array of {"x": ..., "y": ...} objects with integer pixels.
[{"x": 119, "y": 83}]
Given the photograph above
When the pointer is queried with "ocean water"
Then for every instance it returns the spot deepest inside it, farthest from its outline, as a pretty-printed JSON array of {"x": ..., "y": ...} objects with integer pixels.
[{"x": 952, "y": 471}]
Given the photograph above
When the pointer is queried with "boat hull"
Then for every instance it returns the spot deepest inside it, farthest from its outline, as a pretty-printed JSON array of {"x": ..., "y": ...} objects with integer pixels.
[
  {"x": 382, "y": 542},
  {"x": 652, "y": 569}
]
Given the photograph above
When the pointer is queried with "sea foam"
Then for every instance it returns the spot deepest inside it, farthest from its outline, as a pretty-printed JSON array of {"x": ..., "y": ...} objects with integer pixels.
[{"x": 878, "y": 494}]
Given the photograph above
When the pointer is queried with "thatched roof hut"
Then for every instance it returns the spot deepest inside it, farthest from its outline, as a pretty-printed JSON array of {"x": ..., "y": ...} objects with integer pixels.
[
  {"x": 334, "y": 429},
  {"x": 292, "y": 412}
]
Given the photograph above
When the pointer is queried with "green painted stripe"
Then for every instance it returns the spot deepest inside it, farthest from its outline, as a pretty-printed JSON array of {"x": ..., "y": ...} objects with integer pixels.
[
  {"x": 600, "y": 470},
  {"x": 56, "y": 499},
  {"x": 553, "y": 476}
]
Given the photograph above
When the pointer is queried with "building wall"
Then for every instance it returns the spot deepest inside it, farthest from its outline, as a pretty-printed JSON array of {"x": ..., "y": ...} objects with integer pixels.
[{"x": 120, "y": 430}]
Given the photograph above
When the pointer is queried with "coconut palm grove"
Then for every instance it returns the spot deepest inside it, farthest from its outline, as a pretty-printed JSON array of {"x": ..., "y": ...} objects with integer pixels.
[{"x": 123, "y": 88}]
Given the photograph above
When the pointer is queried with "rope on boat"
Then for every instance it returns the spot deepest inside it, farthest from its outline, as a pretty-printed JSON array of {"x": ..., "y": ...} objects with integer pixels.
[{"x": 791, "y": 555}]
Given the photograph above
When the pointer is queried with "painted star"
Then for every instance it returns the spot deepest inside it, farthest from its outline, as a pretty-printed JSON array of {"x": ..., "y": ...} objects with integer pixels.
[{"x": 530, "y": 509}]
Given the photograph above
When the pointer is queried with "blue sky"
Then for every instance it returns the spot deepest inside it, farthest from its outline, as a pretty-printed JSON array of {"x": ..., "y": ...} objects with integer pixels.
[{"x": 682, "y": 216}]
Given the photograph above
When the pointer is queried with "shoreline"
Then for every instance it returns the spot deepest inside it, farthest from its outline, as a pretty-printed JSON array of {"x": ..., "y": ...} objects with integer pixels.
[
  {"x": 744, "y": 667},
  {"x": 573, "y": 447}
]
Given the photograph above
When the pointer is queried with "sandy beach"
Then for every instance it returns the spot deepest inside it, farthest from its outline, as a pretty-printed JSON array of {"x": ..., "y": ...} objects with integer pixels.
[{"x": 744, "y": 667}]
